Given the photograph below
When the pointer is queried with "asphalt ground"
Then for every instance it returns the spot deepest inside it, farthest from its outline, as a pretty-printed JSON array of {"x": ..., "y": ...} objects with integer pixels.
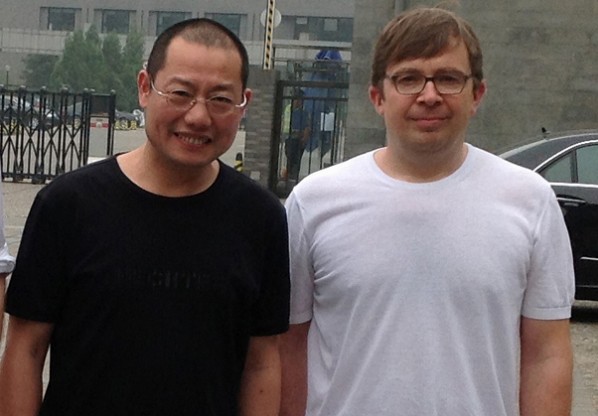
[{"x": 18, "y": 198}]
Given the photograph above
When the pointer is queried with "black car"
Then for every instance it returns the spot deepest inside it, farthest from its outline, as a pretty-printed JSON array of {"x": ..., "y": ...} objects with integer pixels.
[
  {"x": 569, "y": 161},
  {"x": 17, "y": 111},
  {"x": 124, "y": 120}
]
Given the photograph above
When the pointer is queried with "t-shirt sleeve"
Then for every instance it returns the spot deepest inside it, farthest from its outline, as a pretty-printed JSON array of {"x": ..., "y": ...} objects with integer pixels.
[
  {"x": 302, "y": 276},
  {"x": 271, "y": 314},
  {"x": 551, "y": 284},
  {"x": 37, "y": 287}
]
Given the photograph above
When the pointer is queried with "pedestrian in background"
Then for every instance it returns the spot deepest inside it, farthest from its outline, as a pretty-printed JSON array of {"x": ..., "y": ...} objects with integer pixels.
[
  {"x": 159, "y": 277},
  {"x": 297, "y": 123},
  {"x": 428, "y": 277},
  {"x": 7, "y": 262}
]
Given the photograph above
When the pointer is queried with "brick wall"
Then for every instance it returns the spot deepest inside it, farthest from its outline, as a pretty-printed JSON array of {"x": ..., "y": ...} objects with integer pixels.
[{"x": 259, "y": 125}]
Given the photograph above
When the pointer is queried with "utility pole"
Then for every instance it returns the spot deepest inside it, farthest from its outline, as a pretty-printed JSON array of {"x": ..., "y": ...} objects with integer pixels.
[{"x": 268, "y": 35}]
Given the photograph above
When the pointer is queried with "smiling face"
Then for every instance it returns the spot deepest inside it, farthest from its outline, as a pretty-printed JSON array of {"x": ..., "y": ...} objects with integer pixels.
[
  {"x": 428, "y": 122},
  {"x": 192, "y": 138}
]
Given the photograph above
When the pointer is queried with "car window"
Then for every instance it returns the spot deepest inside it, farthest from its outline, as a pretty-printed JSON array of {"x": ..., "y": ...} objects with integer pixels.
[
  {"x": 587, "y": 165},
  {"x": 559, "y": 171}
]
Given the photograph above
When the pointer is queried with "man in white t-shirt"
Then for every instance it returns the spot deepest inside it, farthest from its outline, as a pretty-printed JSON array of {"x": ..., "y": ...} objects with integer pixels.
[
  {"x": 7, "y": 262},
  {"x": 429, "y": 277}
]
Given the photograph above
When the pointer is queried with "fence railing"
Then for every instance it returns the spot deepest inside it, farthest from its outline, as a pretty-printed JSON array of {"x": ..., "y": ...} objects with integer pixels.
[
  {"x": 44, "y": 134},
  {"x": 309, "y": 130}
]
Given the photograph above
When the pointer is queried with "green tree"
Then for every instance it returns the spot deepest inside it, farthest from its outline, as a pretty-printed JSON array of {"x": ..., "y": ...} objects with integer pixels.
[
  {"x": 88, "y": 62},
  {"x": 111, "y": 52},
  {"x": 38, "y": 69},
  {"x": 82, "y": 64},
  {"x": 132, "y": 61}
]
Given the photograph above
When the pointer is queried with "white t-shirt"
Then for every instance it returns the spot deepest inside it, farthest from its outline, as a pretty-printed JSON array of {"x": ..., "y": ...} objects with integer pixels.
[
  {"x": 7, "y": 262},
  {"x": 416, "y": 290}
]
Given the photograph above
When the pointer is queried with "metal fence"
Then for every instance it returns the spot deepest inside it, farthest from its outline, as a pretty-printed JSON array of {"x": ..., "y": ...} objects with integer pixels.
[
  {"x": 309, "y": 130},
  {"x": 44, "y": 134}
]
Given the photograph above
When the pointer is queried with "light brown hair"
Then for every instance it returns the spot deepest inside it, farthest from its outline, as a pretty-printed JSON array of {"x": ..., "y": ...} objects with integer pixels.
[{"x": 423, "y": 33}]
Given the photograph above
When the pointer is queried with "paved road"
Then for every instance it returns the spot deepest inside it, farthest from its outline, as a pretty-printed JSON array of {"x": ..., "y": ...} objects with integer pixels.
[{"x": 19, "y": 196}]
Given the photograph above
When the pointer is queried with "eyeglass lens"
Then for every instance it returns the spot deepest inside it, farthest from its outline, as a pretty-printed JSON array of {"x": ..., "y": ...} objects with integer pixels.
[{"x": 445, "y": 83}]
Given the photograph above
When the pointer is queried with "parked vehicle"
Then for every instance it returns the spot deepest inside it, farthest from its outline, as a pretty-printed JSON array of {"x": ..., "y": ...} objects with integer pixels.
[
  {"x": 71, "y": 114},
  {"x": 124, "y": 120},
  {"x": 17, "y": 111},
  {"x": 569, "y": 161}
]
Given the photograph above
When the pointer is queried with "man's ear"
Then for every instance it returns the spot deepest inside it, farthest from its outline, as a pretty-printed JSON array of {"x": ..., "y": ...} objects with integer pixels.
[
  {"x": 377, "y": 98},
  {"x": 478, "y": 94},
  {"x": 143, "y": 87},
  {"x": 249, "y": 96}
]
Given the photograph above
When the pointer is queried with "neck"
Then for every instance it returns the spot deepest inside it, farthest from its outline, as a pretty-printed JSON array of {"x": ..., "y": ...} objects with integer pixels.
[
  {"x": 147, "y": 172},
  {"x": 420, "y": 167}
]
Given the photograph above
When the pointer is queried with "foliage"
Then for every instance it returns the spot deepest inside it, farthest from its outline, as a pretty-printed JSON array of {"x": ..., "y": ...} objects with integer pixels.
[
  {"x": 38, "y": 69},
  {"x": 88, "y": 62},
  {"x": 132, "y": 60}
]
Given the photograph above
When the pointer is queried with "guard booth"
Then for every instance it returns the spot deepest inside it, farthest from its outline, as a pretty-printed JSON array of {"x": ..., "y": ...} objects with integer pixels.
[
  {"x": 102, "y": 123},
  {"x": 44, "y": 134},
  {"x": 310, "y": 119}
]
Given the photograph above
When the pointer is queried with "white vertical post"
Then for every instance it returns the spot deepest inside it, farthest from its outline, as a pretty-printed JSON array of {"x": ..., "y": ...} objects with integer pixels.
[{"x": 268, "y": 35}]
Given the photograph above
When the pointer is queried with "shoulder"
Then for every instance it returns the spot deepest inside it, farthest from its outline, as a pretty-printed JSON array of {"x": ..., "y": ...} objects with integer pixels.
[
  {"x": 502, "y": 171},
  {"x": 95, "y": 170},
  {"x": 503, "y": 182},
  {"x": 242, "y": 190},
  {"x": 351, "y": 172},
  {"x": 82, "y": 181}
]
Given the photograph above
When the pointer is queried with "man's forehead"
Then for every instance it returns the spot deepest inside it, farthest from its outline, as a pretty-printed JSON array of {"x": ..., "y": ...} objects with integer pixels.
[{"x": 454, "y": 50}]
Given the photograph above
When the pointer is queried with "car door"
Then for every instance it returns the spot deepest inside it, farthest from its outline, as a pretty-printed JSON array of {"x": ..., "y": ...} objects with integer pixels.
[{"x": 574, "y": 178}]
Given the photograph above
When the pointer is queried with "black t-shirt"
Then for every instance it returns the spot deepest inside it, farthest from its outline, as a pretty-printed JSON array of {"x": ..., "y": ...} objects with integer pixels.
[{"x": 153, "y": 298}]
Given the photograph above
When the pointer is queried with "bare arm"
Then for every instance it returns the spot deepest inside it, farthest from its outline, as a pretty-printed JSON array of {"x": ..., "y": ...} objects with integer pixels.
[
  {"x": 2, "y": 294},
  {"x": 294, "y": 370},
  {"x": 546, "y": 368},
  {"x": 260, "y": 384},
  {"x": 21, "y": 367}
]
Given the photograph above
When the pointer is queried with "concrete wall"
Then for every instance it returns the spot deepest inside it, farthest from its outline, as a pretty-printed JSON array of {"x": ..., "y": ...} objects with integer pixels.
[
  {"x": 365, "y": 130},
  {"x": 540, "y": 63}
]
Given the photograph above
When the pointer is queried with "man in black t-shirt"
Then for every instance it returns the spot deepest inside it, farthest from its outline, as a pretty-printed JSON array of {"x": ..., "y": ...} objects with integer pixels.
[{"x": 159, "y": 277}]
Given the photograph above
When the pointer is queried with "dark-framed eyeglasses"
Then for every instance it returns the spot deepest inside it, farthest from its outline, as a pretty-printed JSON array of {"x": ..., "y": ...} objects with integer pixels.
[
  {"x": 413, "y": 83},
  {"x": 182, "y": 100}
]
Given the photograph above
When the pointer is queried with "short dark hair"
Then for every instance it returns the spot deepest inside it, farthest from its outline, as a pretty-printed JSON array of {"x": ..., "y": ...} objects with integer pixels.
[
  {"x": 424, "y": 32},
  {"x": 199, "y": 30}
]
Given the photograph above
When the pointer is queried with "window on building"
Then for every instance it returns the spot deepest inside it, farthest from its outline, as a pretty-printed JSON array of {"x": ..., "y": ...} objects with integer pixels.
[
  {"x": 333, "y": 29},
  {"x": 231, "y": 21},
  {"x": 60, "y": 18},
  {"x": 116, "y": 21},
  {"x": 167, "y": 19}
]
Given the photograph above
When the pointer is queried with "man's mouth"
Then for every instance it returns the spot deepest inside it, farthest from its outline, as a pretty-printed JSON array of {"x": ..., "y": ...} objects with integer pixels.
[
  {"x": 194, "y": 140},
  {"x": 428, "y": 122}
]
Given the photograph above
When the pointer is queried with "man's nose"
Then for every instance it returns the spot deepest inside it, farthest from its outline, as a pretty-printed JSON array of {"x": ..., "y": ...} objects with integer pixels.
[
  {"x": 199, "y": 113},
  {"x": 429, "y": 93}
]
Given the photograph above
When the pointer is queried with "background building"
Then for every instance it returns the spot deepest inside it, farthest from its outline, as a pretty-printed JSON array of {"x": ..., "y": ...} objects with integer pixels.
[{"x": 41, "y": 26}]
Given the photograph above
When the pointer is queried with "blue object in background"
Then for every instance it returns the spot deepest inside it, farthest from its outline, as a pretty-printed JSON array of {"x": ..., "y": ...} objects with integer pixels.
[{"x": 324, "y": 69}]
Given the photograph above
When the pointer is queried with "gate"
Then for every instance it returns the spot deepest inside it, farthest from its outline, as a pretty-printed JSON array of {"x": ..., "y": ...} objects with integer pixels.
[
  {"x": 44, "y": 134},
  {"x": 310, "y": 118}
]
